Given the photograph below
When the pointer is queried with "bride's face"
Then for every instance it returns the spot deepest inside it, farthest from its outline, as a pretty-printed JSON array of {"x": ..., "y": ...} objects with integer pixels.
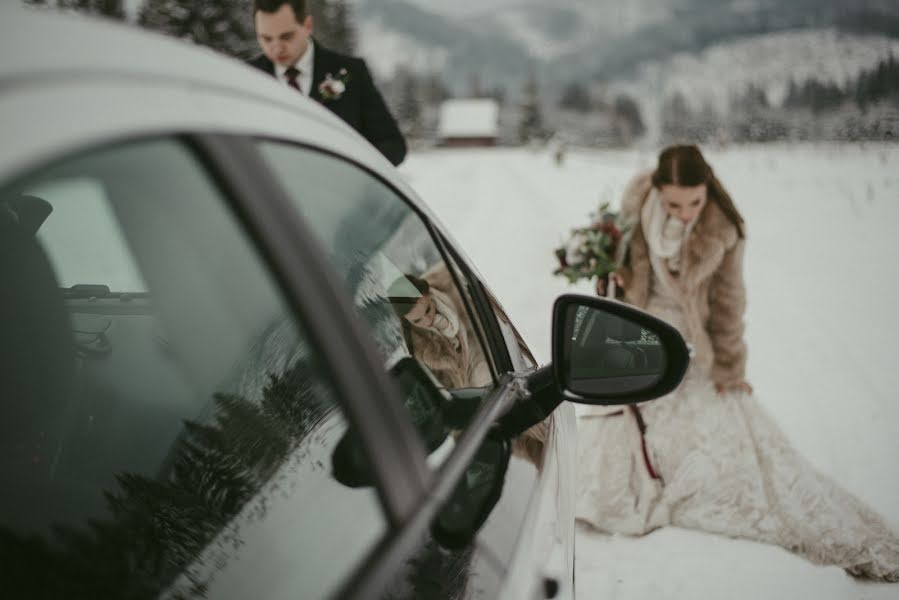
[
  {"x": 683, "y": 202},
  {"x": 422, "y": 312}
]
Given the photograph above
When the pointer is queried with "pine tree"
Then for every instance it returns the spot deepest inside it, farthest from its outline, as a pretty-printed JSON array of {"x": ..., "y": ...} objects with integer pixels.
[
  {"x": 879, "y": 83},
  {"x": 498, "y": 93},
  {"x": 530, "y": 126},
  {"x": 628, "y": 122},
  {"x": 342, "y": 32},
  {"x": 108, "y": 8},
  {"x": 751, "y": 101},
  {"x": 576, "y": 97},
  {"x": 332, "y": 24},
  {"x": 224, "y": 25},
  {"x": 320, "y": 12},
  {"x": 675, "y": 119},
  {"x": 435, "y": 90},
  {"x": 792, "y": 98},
  {"x": 408, "y": 103}
]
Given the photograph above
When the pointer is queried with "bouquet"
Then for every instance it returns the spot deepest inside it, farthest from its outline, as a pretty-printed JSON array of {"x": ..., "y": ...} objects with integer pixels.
[{"x": 595, "y": 250}]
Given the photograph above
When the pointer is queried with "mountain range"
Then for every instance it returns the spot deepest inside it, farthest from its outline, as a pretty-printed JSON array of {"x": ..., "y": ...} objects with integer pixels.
[{"x": 497, "y": 44}]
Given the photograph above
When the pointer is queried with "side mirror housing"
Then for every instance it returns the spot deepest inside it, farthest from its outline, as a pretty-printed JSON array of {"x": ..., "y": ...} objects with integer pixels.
[{"x": 606, "y": 352}]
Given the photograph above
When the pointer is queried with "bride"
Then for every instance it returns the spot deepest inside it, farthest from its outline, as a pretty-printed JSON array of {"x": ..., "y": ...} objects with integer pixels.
[{"x": 708, "y": 457}]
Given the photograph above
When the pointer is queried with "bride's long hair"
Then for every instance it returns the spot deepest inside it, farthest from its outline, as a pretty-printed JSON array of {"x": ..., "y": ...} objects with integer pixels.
[{"x": 684, "y": 165}]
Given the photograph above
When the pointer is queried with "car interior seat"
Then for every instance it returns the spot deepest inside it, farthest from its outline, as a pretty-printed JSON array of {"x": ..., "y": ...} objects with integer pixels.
[{"x": 37, "y": 371}]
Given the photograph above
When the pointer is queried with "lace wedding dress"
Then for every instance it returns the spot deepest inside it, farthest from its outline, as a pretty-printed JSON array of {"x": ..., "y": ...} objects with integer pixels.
[{"x": 725, "y": 467}]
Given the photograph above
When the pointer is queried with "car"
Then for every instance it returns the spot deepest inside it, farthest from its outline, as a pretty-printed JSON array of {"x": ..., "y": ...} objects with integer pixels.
[{"x": 211, "y": 382}]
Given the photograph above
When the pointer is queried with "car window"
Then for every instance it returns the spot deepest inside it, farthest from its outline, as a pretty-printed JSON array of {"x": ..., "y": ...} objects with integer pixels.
[
  {"x": 168, "y": 425},
  {"x": 522, "y": 358},
  {"x": 389, "y": 262},
  {"x": 467, "y": 289}
]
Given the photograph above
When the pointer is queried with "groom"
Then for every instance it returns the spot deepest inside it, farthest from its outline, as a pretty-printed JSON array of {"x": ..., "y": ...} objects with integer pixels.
[{"x": 342, "y": 83}]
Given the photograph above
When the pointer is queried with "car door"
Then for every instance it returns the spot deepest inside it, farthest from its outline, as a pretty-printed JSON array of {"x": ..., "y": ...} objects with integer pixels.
[
  {"x": 173, "y": 392},
  {"x": 375, "y": 237},
  {"x": 537, "y": 561}
]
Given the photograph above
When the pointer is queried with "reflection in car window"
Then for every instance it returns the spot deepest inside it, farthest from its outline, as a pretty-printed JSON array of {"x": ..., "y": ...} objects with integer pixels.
[
  {"x": 522, "y": 359},
  {"x": 168, "y": 428},
  {"x": 80, "y": 255},
  {"x": 390, "y": 264}
]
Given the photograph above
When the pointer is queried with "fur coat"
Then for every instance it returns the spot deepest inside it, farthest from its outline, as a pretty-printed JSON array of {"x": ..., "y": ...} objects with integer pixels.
[
  {"x": 458, "y": 363},
  {"x": 710, "y": 285},
  {"x": 465, "y": 365}
]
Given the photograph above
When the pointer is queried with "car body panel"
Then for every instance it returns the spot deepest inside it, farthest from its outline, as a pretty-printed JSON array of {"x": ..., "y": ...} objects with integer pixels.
[{"x": 130, "y": 84}]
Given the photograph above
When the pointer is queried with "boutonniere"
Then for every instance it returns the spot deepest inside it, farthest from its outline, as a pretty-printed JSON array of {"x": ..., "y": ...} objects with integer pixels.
[{"x": 332, "y": 88}]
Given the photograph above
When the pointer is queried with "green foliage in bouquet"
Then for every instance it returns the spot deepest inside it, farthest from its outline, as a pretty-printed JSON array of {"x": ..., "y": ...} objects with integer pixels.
[{"x": 595, "y": 250}]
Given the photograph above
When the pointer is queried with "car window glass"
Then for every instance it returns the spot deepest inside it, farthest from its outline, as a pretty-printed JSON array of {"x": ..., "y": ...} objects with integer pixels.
[
  {"x": 467, "y": 284},
  {"x": 519, "y": 353},
  {"x": 521, "y": 356},
  {"x": 167, "y": 425},
  {"x": 82, "y": 255},
  {"x": 389, "y": 262}
]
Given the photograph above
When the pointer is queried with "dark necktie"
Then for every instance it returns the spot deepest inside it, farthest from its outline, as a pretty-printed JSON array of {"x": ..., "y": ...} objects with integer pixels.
[{"x": 292, "y": 73}]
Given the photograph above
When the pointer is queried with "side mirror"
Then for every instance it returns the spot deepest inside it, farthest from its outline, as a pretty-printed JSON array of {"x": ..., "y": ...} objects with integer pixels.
[{"x": 606, "y": 352}]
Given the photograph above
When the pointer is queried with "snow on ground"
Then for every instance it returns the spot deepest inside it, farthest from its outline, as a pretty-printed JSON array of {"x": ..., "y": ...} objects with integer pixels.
[{"x": 821, "y": 326}]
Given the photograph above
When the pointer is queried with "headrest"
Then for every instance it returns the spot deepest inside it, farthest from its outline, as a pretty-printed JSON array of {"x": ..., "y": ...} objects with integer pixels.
[{"x": 36, "y": 350}]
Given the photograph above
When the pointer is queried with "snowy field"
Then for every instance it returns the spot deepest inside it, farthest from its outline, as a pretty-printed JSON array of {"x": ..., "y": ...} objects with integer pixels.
[{"x": 822, "y": 326}]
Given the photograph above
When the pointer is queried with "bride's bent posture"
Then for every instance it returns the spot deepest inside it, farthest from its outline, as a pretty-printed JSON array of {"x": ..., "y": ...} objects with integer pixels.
[{"x": 708, "y": 457}]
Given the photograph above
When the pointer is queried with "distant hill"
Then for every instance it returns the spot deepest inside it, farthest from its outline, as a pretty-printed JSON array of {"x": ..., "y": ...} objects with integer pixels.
[{"x": 498, "y": 42}]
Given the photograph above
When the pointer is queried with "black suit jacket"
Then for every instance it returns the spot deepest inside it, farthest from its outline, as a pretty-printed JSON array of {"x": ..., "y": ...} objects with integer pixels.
[{"x": 361, "y": 105}]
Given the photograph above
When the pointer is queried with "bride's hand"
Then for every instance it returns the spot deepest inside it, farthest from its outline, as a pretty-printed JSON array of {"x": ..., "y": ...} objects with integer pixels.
[
  {"x": 601, "y": 283},
  {"x": 740, "y": 386}
]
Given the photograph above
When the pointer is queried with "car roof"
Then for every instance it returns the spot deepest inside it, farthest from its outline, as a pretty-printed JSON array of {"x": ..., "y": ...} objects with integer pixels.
[{"x": 59, "y": 53}]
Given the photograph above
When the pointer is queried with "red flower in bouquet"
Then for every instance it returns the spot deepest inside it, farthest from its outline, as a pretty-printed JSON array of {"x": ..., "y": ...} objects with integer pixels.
[{"x": 593, "y": 251}]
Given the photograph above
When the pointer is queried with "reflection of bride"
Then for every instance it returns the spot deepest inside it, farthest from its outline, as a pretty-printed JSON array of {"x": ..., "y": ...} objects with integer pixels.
[
  {"x": 709, "y": 457},
  {"x": 436, "y": 330},
  {"x": 438, "y": 333}
]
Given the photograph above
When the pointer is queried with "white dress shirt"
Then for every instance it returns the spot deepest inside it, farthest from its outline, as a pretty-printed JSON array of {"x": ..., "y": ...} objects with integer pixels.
[{"x": 304, "y": 65}]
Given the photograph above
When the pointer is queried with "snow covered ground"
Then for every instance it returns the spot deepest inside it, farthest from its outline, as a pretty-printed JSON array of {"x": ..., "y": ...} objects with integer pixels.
[{"x": 823, "y": 284}]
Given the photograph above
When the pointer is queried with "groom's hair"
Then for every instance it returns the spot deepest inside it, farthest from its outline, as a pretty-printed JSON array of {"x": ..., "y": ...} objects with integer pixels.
[{"x": 271, "y": 6}]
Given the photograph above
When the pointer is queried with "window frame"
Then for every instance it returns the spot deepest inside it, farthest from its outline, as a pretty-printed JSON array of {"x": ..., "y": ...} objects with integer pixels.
[
  {"x": 463, "y": 277},
  {"x": 315, "y": 294},
  {"x": 291, "y": 256},
  {"x": 495, "y": 340}
]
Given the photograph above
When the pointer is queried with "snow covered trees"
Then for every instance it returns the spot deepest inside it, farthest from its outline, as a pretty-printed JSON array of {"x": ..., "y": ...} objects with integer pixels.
[
  {"x": 225, "y": 25},
  {"x": 530, "y": 125},
  {"x": 108, "y": 8},
  {"x": 341, "y": 30},
  {"x": 408, "y": 105}
]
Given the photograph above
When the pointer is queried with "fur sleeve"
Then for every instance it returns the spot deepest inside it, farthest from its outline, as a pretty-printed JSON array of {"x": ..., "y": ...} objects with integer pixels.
[
  {"x": 727, "y": 304},
  {"x": 636, "y": 268}
]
